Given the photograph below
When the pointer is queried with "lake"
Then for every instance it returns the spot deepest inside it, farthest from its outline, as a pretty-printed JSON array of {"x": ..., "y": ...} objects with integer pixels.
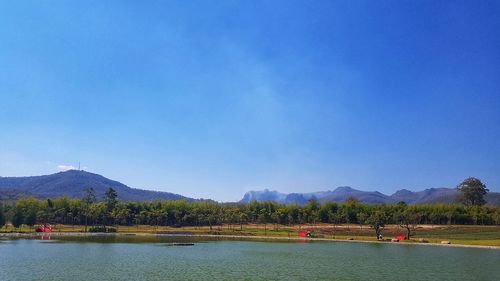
[{"x": 155, "y": 258}]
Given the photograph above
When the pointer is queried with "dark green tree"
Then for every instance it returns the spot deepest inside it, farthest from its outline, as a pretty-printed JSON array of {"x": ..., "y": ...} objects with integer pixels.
[
  {"x": 472, "y": 192},
  {"x": 17, "y": 217},
  {"x": 110, "y": 199},
  {"x": 88, "y": 199},
  {"x": 50, "y": 204},
  {"x": 2, "y": 216}
]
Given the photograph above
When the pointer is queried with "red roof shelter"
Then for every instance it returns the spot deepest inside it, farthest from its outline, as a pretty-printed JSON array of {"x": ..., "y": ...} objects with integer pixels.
[
  {"x": 43, "y": 228},
  {"x": 400, "y": 237},
  {"x": 304, "y": 234}
]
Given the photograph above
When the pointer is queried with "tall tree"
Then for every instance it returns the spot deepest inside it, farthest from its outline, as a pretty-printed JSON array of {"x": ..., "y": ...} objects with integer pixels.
[
  {"x": 473, "y": 192},
  {"x": 88, "y": 199},
  {"x": 2, "y": 216},
  {"x": 110, "y": 198},
  {"x": 17, "y": 217}
]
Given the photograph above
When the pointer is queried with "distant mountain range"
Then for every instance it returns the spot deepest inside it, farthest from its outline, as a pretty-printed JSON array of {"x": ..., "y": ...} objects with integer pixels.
[
  {"x": 72, "y": 184},
  {"x": 341, "y": 194}
]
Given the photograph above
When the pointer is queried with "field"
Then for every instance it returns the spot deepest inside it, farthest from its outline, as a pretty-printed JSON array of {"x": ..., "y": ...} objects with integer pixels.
[{"x": 456, "y": 234}]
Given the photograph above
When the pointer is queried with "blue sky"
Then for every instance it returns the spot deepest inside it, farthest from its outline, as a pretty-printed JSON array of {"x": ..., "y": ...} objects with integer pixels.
[{"x": 212, "y": 99}]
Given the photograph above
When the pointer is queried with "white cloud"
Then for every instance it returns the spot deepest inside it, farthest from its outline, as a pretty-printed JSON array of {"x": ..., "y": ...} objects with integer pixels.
[{"x": 63, "y": 168}]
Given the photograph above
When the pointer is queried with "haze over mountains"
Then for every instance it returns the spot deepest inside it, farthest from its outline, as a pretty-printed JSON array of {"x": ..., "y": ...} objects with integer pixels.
[
  {"x": 73, "y": 182},
  {"x": 341, "y": 194}
]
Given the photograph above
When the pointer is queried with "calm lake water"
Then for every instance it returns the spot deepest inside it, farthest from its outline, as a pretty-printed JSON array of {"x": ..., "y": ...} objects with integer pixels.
[{"x": 154, "y": 258}]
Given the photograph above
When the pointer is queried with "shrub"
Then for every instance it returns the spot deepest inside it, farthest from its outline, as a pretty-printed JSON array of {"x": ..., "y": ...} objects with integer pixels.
[{"x": 104, "y": 229}]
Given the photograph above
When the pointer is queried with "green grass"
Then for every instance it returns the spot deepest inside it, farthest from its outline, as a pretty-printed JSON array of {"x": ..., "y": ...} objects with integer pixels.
[{"x": 456, "y": 234}]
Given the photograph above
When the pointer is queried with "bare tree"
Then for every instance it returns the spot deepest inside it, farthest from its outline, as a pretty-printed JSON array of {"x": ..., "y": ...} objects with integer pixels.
[{"x": 408, "y": 220}]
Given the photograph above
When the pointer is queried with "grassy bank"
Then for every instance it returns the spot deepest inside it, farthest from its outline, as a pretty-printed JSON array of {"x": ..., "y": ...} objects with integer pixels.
[{"x": 456, "y": 234}]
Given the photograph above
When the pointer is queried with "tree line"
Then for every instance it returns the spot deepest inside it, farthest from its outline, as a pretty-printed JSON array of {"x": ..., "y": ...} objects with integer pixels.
[
  {"x": 31, "y": 211},
  {"x": 111, "y": 211}
]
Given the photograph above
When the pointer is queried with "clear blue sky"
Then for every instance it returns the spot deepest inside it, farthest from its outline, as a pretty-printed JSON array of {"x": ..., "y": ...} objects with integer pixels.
[{"x": 212, "y": 98}]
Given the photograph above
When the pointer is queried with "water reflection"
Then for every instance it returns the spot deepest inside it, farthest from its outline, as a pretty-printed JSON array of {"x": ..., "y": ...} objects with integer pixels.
[{"x": 140, "y": 238}]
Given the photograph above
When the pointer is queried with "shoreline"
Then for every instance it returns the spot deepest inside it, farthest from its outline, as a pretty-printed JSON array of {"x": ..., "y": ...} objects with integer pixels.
[{"x": 242, "y": 237}]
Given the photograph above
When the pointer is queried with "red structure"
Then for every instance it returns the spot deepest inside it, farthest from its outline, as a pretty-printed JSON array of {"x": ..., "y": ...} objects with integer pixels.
[
  {"x": 400, "y": 237},
  {"x": 304, "y": 234},
  {"x": 43, "y": 228}
]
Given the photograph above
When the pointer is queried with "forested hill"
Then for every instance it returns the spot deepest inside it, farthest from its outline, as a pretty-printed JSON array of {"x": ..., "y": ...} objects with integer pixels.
[
  {"x": 341, "y": 194},
  {"x": 72, "y": 183}
]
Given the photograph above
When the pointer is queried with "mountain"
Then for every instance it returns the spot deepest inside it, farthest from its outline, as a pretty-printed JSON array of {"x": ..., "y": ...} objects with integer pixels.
[
  {"x": 341, "y": 194},
  {"x": 431, "y": 195},
  {"x": 263, "y": 195},
  {"x": 438, "y": 195},
  {"x": 72, "y": 184}
]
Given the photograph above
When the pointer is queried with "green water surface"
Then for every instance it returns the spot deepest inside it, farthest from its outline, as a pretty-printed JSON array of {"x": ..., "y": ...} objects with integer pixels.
[{"x": 154, "y": 258}]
